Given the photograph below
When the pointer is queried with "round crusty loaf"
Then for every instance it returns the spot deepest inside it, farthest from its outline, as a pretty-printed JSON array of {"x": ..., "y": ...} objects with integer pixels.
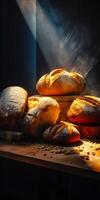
[
  {"x": 12, "y": 105},
  {"x": 42, "y": 112},
  {"x": 60, "y": 82},
  {"x": 85, "y": 110},
  {"x": 62, "y": 133}
]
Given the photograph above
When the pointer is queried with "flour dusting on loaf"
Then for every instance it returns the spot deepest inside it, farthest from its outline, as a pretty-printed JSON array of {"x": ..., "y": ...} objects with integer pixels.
[{"x": 12, "y": 105}]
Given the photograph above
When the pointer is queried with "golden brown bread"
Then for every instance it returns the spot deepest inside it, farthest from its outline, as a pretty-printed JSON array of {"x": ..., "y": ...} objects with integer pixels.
[
  {"x": 64, "y": 103},
  {"x": 60, "y": 82},
  {"x": 13, "y": 101},
  {"x": 42, "y": 112},
  {"x": 85, "y": 110},
  {"x": 62, "y": 133}
]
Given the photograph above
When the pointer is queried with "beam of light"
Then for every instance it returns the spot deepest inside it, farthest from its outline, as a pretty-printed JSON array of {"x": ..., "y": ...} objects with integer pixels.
[
  {"x": 60, "y": 47},
  {"x": 28, "y": 9}
]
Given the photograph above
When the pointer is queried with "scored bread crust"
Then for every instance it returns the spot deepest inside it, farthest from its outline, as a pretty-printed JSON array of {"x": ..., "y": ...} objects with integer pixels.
[
  {"x": 42, "y": 112},
  {"x": 62, "y": 133},
  {"x": 60, "y": 82},
  {"x": 85, "y": 110},
  {"x": 12, "y": 105}
]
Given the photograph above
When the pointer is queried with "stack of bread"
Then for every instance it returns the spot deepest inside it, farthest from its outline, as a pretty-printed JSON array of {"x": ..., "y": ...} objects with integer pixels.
[
  {"x": 63, "y": 86},
  {"x": 38, "y": 115},
  {"x": 84, "y": 112}
]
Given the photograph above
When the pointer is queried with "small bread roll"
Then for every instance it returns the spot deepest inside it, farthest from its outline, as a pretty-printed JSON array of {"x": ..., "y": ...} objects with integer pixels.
[
  {"x": 12, "y": 105},
  {"x": 62, "y": 133},
  {"x": 42, "y": 112},
  {"x": 85, "y": 110},
  {"x": 60, "y": 82}
]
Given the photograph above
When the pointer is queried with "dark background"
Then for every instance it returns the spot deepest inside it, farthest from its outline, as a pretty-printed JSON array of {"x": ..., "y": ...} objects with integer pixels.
[
  {"x": 18, "y": 63},
  {"x": 18, "y": 59},
  {"x": 17, "y": 48}
]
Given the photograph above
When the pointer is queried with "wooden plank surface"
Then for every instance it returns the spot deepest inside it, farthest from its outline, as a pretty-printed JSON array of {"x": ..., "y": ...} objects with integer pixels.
[{"x": 83, "y": 158}]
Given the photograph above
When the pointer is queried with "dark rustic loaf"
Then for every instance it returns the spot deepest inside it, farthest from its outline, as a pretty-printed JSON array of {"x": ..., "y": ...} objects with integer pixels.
[
  {"x": 12, "y": 105},
  {"x": 62, "y": 133}
]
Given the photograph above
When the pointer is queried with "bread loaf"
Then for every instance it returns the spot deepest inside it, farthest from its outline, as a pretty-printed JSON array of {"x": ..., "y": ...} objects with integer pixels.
[
  {"x": 62, "y": 133},
  {"x": 60, "y": 82},
  {"x": 12, "y": 105},
  {"x": 85, "y": 110},
  {"x": 42, "y": 112}
]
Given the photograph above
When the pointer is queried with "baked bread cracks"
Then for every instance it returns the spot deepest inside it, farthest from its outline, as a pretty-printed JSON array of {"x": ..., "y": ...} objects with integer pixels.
[
  {"x": 62, "y": 133},
  {"x": 60, "y": 82},
  {"x": 42, "y": 112},
  {"x": 85, "y": 110}
]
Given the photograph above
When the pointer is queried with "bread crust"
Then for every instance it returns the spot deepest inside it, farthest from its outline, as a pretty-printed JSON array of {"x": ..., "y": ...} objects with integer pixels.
[
  {"x": 62, "y": 133},
  {"x": 12, "y": 105},
  {"x": 85, "y": 110},
  {"x": 42, "y": 112},
  {"x": 60, "y": 82}
]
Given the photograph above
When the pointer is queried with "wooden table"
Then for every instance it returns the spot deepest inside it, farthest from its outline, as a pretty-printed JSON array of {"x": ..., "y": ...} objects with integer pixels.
[{"x": 82, "y": 159}]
